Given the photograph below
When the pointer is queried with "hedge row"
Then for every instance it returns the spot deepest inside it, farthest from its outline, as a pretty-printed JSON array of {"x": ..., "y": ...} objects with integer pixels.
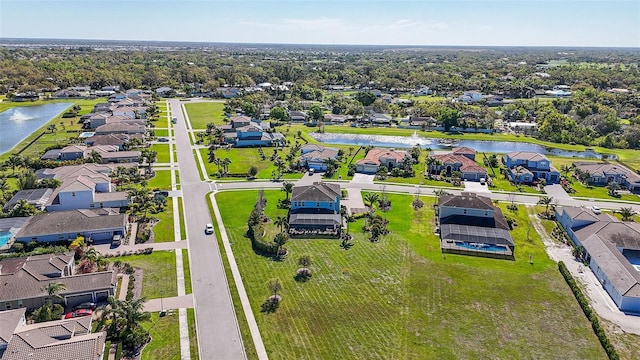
[
  {"x": 589, "y": 312},
  {"x": 257, "y": 241}
]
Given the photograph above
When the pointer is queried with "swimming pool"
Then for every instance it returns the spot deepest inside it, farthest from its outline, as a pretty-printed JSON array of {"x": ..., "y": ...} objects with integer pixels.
[
  {"x": 4, "y": 237},
  {"x": 481, "y": 247}
]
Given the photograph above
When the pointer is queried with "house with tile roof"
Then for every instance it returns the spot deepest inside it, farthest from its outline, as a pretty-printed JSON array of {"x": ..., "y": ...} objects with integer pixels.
[
  {"x": 612, "y": 250},
  {"x": 470, "y": 224},
  {"x": 390, "y": 158},
  {"x": 316, "y": 156},
  {"x": 24, "y": 278},
  {"x": 95, "y": 225},
  {"x": 10, "y": 320},
  {"x": 601, "y": 174},
  {"x": 315, "y": 208},
  {"x": 459, "y": 159},
  {"x": 68, "y": 339},
  {"x": 526, "y": 167},
  {"x": 120, "y": 128}
]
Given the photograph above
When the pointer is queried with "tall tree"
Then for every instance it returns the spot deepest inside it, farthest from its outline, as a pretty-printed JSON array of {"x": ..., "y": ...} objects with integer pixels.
[{"x": 287, "y": 187}]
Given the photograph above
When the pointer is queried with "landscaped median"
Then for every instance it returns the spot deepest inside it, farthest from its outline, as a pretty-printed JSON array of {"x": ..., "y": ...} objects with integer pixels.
[{"x": 401, "y": 297}]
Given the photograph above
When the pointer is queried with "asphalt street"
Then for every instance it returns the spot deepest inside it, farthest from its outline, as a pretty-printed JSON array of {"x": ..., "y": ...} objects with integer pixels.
[{"x": 217, "y": 327}]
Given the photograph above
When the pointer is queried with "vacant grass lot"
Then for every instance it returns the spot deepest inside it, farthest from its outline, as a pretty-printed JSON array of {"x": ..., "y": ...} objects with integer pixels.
[
  {"x": 401, "y": 298},
  {"x": 163, "y": 230},
  {"x": 162, "y": 180},
  {"x": 159, "y": 273},
  {"x": 161, "y": 132},
  {"x": 599, "y": 192},
  {"x": 242, "y": 159},
  {"x": 165, "y": 337},
  {"x": 205, "y": 112},
  {"x": 163, "y": 152}
]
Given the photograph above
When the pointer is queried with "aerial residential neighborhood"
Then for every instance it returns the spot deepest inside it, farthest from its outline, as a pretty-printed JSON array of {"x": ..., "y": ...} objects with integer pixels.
[{"x": 235, "y": 195}]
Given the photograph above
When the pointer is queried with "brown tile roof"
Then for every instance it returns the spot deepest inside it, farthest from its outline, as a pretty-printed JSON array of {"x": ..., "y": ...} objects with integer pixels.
[
  {"x": 463, "y": 150},
  {"x": 10, "y": 320},
  {"x": 527, "y": 155},
  {"x": 466, "y": 165},
  {"x": 374, "y": 156},
  {"x": 604, "y": 169}
]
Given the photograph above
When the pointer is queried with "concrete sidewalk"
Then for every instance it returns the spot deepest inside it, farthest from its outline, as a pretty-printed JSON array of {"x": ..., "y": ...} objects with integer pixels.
[
  {"x": 175, "y": 302},
  {"x": 107, "y": 249}
]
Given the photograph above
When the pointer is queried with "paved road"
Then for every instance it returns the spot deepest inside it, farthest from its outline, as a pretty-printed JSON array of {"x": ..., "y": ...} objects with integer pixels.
[
  {"x": 217, "y": 326},
  {"x": 411, "y": 189}
]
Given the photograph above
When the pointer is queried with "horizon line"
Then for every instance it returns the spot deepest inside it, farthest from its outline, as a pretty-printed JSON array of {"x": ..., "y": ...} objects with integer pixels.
[{"x": 314, "y": 44}]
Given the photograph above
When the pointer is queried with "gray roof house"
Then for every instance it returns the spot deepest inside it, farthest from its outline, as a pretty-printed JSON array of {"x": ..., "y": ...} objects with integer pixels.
[
  {"x": 68, "y": 339},
  {"x": 612, "y": 250},
  {"x": 469, "y": 224},
  {"x": 603, "y": 173},
  {"x": 315, "y": 156},
  {"x": 10, "y": 320},
  {"x": 96, "y": 225},
  {"x": 35, "y": 197},
  {"x": 315, "y": 209},
  {"x": 23, "y": 279}
]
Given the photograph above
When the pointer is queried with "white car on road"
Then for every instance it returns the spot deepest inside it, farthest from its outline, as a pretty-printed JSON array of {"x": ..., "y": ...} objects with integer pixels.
[{"x": 596, "y": 210}]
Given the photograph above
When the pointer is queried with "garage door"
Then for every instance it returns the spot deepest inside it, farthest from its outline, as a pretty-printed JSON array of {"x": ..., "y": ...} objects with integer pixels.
[
  {"x": 73, "y": 300},
  {"x": 106, "y": 235}
]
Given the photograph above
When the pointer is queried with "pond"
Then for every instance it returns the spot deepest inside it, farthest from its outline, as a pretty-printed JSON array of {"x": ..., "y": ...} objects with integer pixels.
[
  {"x": 500, "y": 147},
  {"x": 19, "y": 122}
]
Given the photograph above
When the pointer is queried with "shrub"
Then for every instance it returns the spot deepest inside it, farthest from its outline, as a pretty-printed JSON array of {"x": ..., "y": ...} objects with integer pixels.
[{"x": 588, "y": 311}]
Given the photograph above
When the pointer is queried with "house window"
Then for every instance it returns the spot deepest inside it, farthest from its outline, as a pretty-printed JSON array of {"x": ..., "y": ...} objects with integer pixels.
[
  {"x": 465, "y": 211},
  {"x": 61, "y": 237},
  {"x": 91, "y": 205},
  {"x": 7, "y": 305},
  {"x": 73, "y": 193},
  {"x": 330, "y": 204},
  {"x": 317, "y": 204},
  {"x": 19, "y": 303}
]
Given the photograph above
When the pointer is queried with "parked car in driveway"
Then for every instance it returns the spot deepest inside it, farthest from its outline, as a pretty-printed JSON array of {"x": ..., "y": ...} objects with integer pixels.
[
  {"x": 79, "y": 313},
  {"x": 86, "y": 305},
  {"x": 163, "y": 139}
]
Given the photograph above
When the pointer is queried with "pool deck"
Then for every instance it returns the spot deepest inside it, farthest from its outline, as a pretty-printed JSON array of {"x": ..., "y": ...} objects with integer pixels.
[{"x": 452, "y": 248}]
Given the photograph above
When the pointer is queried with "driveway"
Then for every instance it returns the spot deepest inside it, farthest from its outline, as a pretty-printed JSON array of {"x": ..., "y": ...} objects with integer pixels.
[
  {"x": 309, "y": 179},
  {"x": 556, "y": 191},
  {"x": 476, "y": 187},
  {"x": 353, "y": 202},
  {"x": 363, "y": 178}
]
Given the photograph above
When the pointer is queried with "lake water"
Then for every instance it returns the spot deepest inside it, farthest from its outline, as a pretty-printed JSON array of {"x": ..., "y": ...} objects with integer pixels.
[
  {"x": 500, "y": 147},
  {"x": 19, "y": 122}
]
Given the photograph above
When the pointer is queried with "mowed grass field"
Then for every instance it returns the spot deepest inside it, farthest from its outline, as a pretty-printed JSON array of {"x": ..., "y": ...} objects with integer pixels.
[
  {"x": 400, "y": 298},
  {"x": 159, "y": 273},
  {"x": 205, "y": 112}
]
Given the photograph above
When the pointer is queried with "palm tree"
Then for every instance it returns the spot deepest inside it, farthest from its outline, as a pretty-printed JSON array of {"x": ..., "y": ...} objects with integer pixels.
[
  {"x": 14, "y": 161},
  {"x": 133, "y": 313},
  {"x": 565, "y": 169},
  {"x": 225, "y": 164},
  {"x": 281, "y": 222},
  {"x": 95, "y": 157},
  {"x": 546, "y": 201},
  {"x": 372, "y": 198},
  {"x": 613, "y": 188},
  {"x": 627, "y": 213},
  {"x": 280, "y": 239},
  {"x": 287, "y": 187},
  {"x": 23, "y": 208},
  {"x": 53, "y": 290}
]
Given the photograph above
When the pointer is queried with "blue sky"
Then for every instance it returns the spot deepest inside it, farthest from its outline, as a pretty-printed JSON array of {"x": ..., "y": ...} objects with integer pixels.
[{"x": 383, "y": 22}]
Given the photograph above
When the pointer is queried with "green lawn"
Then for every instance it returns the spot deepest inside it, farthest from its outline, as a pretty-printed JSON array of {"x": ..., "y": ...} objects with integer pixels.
[
  {"x": 401, "y": 298},
  {"x": 162, "y": 180},
  {"x": 205, "y": 112},
  {"x": 163, "y": 230},
  {"x": 193, "y": 335},
  {"x": 165, "y": 337},
  {"x": 183, "y": 229},
  {"x": 161, "y": 132},
  {"x": 187, "y": 271},
  {"x": 159, "y": 270},
  {"x": 163, "y": 152},
  {"x": 242, "y": 159},
  {"x": 598, "y": 192}
]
